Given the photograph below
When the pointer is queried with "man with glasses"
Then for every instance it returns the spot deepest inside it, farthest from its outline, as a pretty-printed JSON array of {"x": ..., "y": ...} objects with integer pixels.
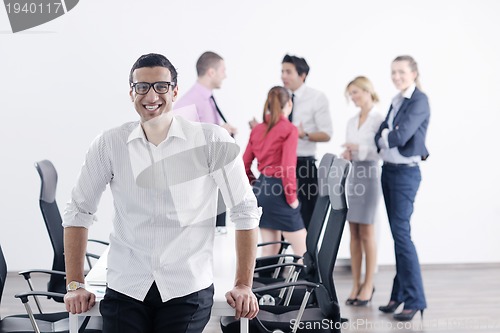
[
  {"x": 163, "y": 172},
  {"x": 211, "y": 70}
]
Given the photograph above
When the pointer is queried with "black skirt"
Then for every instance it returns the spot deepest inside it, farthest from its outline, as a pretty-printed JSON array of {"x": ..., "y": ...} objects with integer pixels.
[{"x": 276, "y": 212}]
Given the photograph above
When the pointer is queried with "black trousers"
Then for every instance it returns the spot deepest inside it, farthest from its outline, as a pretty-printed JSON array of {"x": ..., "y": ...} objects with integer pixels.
[
  {"x": 123, "y": 314},
  {"x": 307, "y": 191}
]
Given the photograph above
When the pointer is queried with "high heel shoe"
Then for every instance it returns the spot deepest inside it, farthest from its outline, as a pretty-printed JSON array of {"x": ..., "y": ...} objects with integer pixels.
[
  {"x": 363, "y": 302},
  {"x": 407, "y": 315},
  {"x": 390, "y": 308},
  {"x": 350, "y": 301}
]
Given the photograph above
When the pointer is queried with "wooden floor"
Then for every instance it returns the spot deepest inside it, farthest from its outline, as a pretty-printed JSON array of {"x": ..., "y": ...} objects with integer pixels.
[{"x": 461, "y": 298}]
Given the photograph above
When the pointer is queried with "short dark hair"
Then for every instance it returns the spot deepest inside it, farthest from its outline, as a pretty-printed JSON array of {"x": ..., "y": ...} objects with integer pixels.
[
  {"x": 153, "y": 60},
  {"x": 300, "y": 64},
  {"x": 207, "y": 60}
]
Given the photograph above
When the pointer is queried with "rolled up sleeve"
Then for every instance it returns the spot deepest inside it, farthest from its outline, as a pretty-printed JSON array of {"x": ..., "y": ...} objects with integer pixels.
[
  {"x": 94, "y": 176},
  {"x": 228, "y": 172},
  {"x": 322, "y": 116}
]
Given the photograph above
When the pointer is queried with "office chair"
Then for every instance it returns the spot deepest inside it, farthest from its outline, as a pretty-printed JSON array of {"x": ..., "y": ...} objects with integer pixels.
[
  {"x": 308, "y": 270},
  {"x": 304, "y": 318},
  {"x": 53, "y": 222},
  {"x": 43, "y": 322},
  {"x": 316, "y": 224}
]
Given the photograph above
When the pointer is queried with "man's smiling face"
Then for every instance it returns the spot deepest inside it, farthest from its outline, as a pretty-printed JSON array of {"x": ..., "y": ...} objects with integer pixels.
[{"x": 152, "y": 104}]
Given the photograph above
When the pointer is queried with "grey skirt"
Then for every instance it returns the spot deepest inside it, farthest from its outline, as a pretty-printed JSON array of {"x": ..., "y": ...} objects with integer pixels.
[{"x": 363, "y": 191}]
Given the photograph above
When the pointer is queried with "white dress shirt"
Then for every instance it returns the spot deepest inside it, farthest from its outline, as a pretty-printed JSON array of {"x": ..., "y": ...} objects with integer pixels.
[
  {"x": 364, "y": 136},
  {"x": 310, "y": 107},
  {"x": 392, "y": 155},
  {"x": 165, "y": 203}
]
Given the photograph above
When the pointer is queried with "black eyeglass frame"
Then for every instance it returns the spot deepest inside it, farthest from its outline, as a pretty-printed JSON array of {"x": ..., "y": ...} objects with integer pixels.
[{"x": 169, "y": 84}]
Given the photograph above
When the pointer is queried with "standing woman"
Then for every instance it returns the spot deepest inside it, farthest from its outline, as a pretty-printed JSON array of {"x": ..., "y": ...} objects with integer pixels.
[
  {"x": 364, "y": 186},
  {"x": 401, "y": 140},
  {"x": 274, "y": 144}
]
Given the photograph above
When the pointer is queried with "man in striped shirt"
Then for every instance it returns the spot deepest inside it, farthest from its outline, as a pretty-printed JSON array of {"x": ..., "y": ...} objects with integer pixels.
[{"x": 164, "y": 173}]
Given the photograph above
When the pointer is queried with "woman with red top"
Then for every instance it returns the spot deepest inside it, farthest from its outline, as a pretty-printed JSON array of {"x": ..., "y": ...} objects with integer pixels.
[{"x": 274, "y": 144}]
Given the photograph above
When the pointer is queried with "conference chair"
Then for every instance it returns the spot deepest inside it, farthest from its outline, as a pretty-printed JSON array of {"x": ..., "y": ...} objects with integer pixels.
[
  {"x": 316, "y": 224},
  {"x": 306, "y": 318},
  {"x": 53, "y": 222},
  {"x": 56, "y": 322},
  {"x": 307, "y": 271}
]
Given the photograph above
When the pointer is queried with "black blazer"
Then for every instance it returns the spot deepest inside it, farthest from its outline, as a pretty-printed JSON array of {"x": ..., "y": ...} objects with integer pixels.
[{"x": 409, "y": 126}]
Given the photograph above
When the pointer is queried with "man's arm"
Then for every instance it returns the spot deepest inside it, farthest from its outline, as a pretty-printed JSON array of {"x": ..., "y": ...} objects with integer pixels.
[
  {"x": 316, "y": 137},
  {"x": 75, "y": 245},
  {"x": 78, "y": 217},
  {"x": 323, "y": 122},
  {"x": 241, "y": 296},
  {"x": 313, "y": 136},
  {"x": 227, "y": 170}
]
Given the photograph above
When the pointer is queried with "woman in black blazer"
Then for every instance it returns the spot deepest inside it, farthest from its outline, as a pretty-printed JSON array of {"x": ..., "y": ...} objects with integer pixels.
[{"x": 401, "y": 143}]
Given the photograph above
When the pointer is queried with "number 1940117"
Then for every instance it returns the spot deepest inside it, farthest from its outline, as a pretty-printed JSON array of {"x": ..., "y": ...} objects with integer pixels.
[{"x": 33, "y": 7}]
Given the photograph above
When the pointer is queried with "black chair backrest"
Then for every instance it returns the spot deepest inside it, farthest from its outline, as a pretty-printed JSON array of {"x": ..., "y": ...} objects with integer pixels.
[
  {"x": 53, "y": 222},
  {"x": 3, "y": 273},
  {"x": 318, "y": 217},
  {"x": 327, "y": 254}
]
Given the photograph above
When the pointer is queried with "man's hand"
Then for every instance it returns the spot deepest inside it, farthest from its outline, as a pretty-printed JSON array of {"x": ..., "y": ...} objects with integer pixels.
[
  {"x": 231, "y": 129},
  {"x": 79, "y": 301},
  {"x": 252, "y": 123},
  {"x": 351, "y": 147},
  {"x": 346, "y": 155},
  {"x": 301, "y": 131},
  {"x": 242, "y": 299}
]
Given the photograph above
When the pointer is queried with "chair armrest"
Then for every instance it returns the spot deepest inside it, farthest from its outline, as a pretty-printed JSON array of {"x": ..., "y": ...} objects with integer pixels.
[
  {"x": 91, "y": 255},
  {"x": 285, "y": 244},
  {"x": 265, "y": 268},
  {"x": 284, "y": 255},
  {"x": 98, "y": 241},
  {"x": 27, "y": 273},
  {"x": 309, "y": 286},
  {"x": 309, "y": 289},
  {"x": 24, "y": 296}
]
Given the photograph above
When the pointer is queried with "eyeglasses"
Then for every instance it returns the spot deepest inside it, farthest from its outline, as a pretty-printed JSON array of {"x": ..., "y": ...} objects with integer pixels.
[{"x": 160, "y": 87}]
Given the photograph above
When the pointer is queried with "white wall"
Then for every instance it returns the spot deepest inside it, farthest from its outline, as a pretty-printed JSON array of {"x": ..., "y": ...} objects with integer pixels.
[{"x": 64, "y": 82}]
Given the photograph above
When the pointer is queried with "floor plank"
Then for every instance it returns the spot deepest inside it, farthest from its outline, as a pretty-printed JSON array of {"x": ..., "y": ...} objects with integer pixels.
[{"x": 461, "y": 298}]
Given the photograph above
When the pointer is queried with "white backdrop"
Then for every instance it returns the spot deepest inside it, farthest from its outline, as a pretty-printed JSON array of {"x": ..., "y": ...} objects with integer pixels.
[{"x": 64, "y": 82}]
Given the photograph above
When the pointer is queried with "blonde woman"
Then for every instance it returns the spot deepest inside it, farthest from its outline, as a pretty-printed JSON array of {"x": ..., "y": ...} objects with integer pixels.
[{"x": 364, "y": 186}]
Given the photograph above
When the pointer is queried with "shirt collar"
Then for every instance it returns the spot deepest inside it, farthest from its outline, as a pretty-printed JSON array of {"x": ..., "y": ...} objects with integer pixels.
[
  {"x": 299, "y": 92},
  {"x": 137, "y": 133},
  {"x": 372, "y": 112},
  {"x": 175, "y": 130},
  {"x": 408, "y": 92},
  {"x": 399, "y": 98}
]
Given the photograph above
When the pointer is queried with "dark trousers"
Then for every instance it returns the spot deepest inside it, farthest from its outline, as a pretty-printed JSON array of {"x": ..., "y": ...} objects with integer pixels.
[
  {"x": 400, "y": 185},
  {"x": 220, "y": 221},
  {"x": 123, "y": 314},
  {"x": 307, "y": 190}
]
